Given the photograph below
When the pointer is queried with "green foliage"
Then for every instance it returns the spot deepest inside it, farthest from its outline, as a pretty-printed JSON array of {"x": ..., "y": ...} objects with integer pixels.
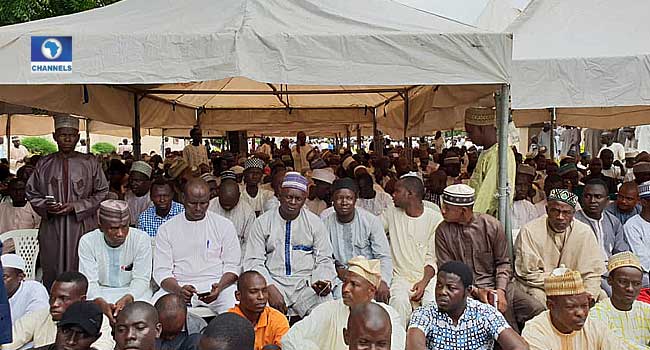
[
  {"x": 103, "y": 148},
  {"x": 18, "y": 11},
  {"x": 39, "y": 145}
]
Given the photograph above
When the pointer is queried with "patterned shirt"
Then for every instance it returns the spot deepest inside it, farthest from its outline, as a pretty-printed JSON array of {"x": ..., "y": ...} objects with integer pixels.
[
  {"x": 633, "y": 326},
  {"x": 477, "y": 329},
  {"x": 149, "y": 221}
]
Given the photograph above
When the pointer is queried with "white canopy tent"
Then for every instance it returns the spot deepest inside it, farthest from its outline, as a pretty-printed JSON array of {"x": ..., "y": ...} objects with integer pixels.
[{"x": 589, "y": 59}]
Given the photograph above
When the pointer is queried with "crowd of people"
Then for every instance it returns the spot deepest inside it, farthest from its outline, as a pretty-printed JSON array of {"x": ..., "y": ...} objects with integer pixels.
[{"x": 302, "y": 248}]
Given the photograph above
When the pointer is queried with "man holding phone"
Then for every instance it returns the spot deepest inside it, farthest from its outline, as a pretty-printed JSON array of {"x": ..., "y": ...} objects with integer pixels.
[
  {"x": 197, "y": 253},
  {"x": 65, "y": 190}
]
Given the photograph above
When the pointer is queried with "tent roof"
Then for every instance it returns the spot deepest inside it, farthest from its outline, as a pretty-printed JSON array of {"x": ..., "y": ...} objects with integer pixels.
[
  {"x": 310, "y": 42},
  {"x": 581, "y": 53}
]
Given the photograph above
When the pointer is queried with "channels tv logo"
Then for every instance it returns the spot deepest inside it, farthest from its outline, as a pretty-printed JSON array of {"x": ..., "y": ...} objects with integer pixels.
[{"x": 51, "y": 54}]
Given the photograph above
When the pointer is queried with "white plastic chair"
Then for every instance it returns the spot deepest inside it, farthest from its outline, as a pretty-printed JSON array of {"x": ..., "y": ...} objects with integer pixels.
[{"x": 26, "y": 242}]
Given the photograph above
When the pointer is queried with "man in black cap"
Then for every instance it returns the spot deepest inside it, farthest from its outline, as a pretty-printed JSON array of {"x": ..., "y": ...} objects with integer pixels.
[{"x": 78, "y": 329}]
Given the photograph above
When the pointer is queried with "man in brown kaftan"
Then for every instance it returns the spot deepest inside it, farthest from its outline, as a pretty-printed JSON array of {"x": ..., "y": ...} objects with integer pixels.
[{"x": 77, "y": 184}]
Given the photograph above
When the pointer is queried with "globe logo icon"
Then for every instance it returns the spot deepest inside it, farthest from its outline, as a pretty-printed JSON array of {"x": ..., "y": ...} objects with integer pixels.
[{"x": 51, "y": 48}]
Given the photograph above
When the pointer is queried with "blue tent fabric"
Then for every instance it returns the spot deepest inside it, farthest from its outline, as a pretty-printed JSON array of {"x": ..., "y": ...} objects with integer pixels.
[{"x": 5, "y": 314}]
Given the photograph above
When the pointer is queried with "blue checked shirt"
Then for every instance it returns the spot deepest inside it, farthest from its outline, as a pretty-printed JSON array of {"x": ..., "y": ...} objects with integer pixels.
[
  {"x": 477, "y": 329},
  {"x": 149, "y": 221}
]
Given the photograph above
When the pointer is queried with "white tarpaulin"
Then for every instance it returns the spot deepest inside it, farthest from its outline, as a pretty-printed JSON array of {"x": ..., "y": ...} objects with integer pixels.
[
  {"x": 334, "y": 44},
  {"x": 588, "y": 58}
]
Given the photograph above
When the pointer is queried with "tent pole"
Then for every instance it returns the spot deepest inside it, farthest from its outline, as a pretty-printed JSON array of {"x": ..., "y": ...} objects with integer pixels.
[
  {"x": 348, "y": 137},
  {"x": 87, "y": 136},
  {"x": 8, "y": 133},
  {"x": 136, "y": 128},
  {"x": 503, "y": 114},
  {"x": 553, "y": 151},
  {"x": 406, "y": 119},
  {"x": 359, "y": 139},
  {"x": 162, "y": 143},
  {"x": 375, "y": 136}
]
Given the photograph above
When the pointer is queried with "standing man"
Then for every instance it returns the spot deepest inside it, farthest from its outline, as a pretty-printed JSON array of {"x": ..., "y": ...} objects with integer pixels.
[
  {"x": 290, "y": 247},
  {"x": 163, "y": 209},
  {"x": 555, "y": 240},
  {"x": 479, "y": 241},
  {"x": 299, "y": 153},
  {"x": 356, "y": 232},
  {"x": 202, "y": 264},
  {"x": 229, "y": 205},
  {"x": 480, "y": 124},
  {"x": 607, "y": 142},
  {"x": 195, "y": 153},
  {"x": 137, "y": 196},
  {"x": 18, "y": 153},
  {"x": 627, "y": 202},
  {"x": 65, "y": 190},
  {"x": 411, "y": 228},
  {"x": 637, "y": 230}
]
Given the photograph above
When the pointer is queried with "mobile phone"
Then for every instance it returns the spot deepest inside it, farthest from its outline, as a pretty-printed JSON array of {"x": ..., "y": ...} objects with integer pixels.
[
  {"x": 50, "y": 200},
  {"x": 495, "y": 302},
  {"x": 203, "y": 295}
]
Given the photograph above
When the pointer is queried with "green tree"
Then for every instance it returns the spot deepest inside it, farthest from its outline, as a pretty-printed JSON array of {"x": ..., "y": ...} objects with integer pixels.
[
  {"x": 39, "y": 145},
  {"x": 103, "y": 148},
  {"x": 18, "y": 11}
]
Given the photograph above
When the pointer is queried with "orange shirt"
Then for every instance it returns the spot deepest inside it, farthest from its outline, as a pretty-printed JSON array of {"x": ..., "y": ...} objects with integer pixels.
[{"x": 270, "y": 328}]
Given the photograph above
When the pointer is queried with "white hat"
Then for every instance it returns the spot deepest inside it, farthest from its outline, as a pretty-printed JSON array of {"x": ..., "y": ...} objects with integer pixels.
[
  {"x": 13, "y": 260},
  {"x": 237, "y": 169},
  {"x": 323, "y": 175},
  {"x": 459, "y": 195}
]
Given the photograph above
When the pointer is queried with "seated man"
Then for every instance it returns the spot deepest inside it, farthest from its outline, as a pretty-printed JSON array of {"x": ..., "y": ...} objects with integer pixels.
[
  {"x": 557, "y": 239},
  {"x": 270, "y": 324},
  {"x": 456, "y": 321},
  {"x": 39, "y": 327},
  {"x": 637, "y": 230},
  {"x": 356, "y": 232},
  {"x": 595, "y": 172},
  {"x": 228, "y": 331},
  {"x": 229, "y": 205},
  {"x": 369, "y": 326},
  {"x": 116, "y": 260},
  {"x": 411, "y": 229},
  {"x": 523, "y": 210},
  {"x": 479, "y": 241},
  {"x": 179, "y": 327},
  {"x": 137, "y": 327},
  {"x": 370, "y": 199},
  {"x": 627, "y": 202},
  {"x": 79, "y": 327},
  {"x": 608, "y": 229},
  {"x": 627, "y": 317},
  {"x": 162, "y": 210},
  {"x": 253, "y": 193},
  {"x": 321, "y": 191},
  {"x": 24, "y": 296},
  {"x": 290, "y": 247},
  {"x": 565, "y": 324},
  {"x": 323, "y": 328},
  {"x": 137, "y": 196},
  {"x": 204, "y": 261},
  {"x": 17, "y": 213}
]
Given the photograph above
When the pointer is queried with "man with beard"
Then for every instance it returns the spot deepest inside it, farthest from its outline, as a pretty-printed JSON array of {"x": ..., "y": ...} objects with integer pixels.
[
  {"x": 116, "y": 260},
  {"x": 626, "y": 316},
  {"x": 137, "y": 327},
  {"x": 456, "y": 320},
  {"x": 138, "y": 196},
  {"x": 323, "y": 328},
  {"x": 163, "y": 209},
  {"x": 565, "y": 324},
  {"x": 65, "y": 190},
  {"x": 270, "y": 324},
  {"x": 557, "y": 239},
  {"x": 290, "y": 247},
  {"x": 40, "y": 327}
]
